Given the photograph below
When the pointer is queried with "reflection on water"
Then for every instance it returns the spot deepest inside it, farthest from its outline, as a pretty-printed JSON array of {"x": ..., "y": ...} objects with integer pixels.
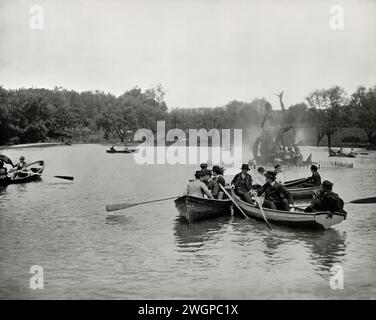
[
  {"x": 191, "y": 237},
  {"x": 147, "y": 252}
]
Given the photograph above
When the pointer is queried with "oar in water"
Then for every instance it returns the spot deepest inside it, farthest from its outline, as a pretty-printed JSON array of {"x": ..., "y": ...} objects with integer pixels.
[
  {"x": 233, "y": 201},
  {"x": 125, "y": 205},
  {"x": 263, "y": 213}
]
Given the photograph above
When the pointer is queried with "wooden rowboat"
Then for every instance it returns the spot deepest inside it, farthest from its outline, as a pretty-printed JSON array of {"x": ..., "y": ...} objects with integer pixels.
[
  {"x": 122, "y": 151},
  {"x": 299, "y": 192},
  {"x": 195, "y": 208},
  {"x": 300, "y": 219},
  {"x": 34, "y": 171}
]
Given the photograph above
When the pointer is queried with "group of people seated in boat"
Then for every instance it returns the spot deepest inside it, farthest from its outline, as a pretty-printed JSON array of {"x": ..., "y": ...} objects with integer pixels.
[
  {"x": 17, "y": 171},
  {"x": 267, "y": 183},
  {"x": 207, "y": 182}
]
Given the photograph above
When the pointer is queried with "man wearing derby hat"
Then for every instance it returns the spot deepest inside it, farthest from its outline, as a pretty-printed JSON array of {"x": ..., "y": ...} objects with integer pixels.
[
  {"x": 276, "y": 195},
  {"x": 326, "y": 200},
  {"x": 203, "y": 166},
  {"x": 242, "y": 183}
]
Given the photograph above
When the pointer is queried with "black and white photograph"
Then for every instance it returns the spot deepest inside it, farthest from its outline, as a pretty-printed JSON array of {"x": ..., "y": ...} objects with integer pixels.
[{"x": 187, "y": 150}]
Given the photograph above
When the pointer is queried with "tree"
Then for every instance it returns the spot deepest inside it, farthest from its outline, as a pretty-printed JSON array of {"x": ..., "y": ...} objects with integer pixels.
[
  {"x": 363, "y": 111},
  {"x": 327, "y": 114}
]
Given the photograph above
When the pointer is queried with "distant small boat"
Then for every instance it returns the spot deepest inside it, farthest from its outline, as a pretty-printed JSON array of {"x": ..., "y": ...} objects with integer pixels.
[
  {"x": 195, "y": 208},
  {"x": 341, "y": 155},
  {"x": 122, "y": 151},
  {"x": 315, "y": 220},
  {"x": 34, "y": 171}
]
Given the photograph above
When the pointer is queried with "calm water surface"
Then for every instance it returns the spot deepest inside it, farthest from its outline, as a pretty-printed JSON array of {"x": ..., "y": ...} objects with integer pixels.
[{"x": 146, "y": 253}]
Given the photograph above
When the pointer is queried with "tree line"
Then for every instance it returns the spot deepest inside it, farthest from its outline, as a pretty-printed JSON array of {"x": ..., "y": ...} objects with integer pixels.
[{"x": 37, "y": 115}]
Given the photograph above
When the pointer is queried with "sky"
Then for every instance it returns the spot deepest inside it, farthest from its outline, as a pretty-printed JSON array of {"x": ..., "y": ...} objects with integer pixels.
[{"x": 203, "y": 53}]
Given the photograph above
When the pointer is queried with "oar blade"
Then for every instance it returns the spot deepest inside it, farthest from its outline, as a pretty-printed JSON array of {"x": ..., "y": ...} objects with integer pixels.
[
  {"x": 364, "y": 200},
  {"x": 119, "y": 206},
  {"x": 65, "y": 177}
]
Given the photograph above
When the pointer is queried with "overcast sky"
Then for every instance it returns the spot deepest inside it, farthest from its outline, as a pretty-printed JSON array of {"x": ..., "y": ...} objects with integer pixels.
[{"x": 204, "y": 53}]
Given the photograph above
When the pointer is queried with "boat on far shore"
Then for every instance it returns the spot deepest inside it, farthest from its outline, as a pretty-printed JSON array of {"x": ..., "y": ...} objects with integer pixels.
[
  {"x": 126, "y": 150},
  {"x": 339, "y": 154}
]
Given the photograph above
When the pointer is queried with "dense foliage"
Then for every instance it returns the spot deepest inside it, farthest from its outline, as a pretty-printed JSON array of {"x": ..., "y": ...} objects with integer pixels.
[{"x": 38, "y": 115}]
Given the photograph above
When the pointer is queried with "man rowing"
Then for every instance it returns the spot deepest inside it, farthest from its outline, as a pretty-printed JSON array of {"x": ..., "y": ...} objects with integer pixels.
[
  {"x": 19, "y": 168},
  {"x": 326, "y": 200},
  {"x": 314, "y": 180},
  {"x": 276, "y": 195},
  {"x": 217, "y": 173},
  {"x": 211, "y": 183},
  {"x": 242, "y": 183},
  {"x": 197, "y": 187}
]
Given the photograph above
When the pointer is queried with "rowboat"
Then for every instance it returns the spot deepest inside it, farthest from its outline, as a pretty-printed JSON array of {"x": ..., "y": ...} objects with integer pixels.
[
  {"x": 122, "y": 151},
  {"x": 299, "y": 192},
  {"x": 299, "y": 219},
  {"x": 34, "y": 171},
  {"x": 195, "y": 208}
]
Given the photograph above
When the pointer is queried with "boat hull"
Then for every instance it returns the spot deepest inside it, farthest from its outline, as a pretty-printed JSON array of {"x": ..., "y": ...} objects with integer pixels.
[
  {"x": 303, "y": 193},
  {"x": 313, "y": 221},
  {"x": 195, "y": 209}
]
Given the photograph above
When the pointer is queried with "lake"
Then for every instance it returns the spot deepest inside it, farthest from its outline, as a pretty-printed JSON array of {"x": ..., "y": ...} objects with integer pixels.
[{"x": 145, "y": 252}]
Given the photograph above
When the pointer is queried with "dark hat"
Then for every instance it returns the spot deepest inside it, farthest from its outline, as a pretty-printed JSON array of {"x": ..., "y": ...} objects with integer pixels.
[
  {"x": 203, "y": 165},
  {"x": 206, "y": 172},
  {"x": 245, "y": 167},
  {"x": 313, "y": 167},
  {"x": 327, "y": 185},
  {"x": 260, "y": 169},
  {"x": 198, "y": 174},
  {"x": 277, "y": 166},
  {"x": 22, "y": 158},
  {"x": 217, "y": 169},
  {"x": 270, "y": 174}
]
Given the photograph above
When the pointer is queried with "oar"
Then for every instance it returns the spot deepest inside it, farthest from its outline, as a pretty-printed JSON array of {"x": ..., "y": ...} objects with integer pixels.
[
  {"x": 356, "y": 201},
  {"x": 263, "y": 214},
  {"x": 233, "y": 201},
  {"x": 42, "y": 174},
  {"x": 125, "y": 205}
]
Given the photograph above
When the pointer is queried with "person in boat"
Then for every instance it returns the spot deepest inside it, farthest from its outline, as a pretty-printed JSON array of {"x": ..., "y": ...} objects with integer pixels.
[
  {"x": 203, "y": 166},
  {"x": 242, "y": 183},
  {"x": 113, "y": 148},
  {"x": 279, "y": 177},
  {"x": 20, "y": 166},
  {"x": 259, "y": 179},
  {"x": 217, "y": 174},
  {"x": 197, "y": 187},
  {"x": 211, "y": 183},
  {"x": 326, "y": 200},
  {"x": 314, "y": 180},
  {"x": 276, "y": 195},
  {"x": 3, "y": 171}
]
